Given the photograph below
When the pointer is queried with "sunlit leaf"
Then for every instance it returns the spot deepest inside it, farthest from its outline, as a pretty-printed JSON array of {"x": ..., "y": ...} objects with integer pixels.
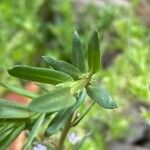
[
  {"x": 13, "y": 110},
  {"x": 63, "y": 66},
  {"x": 63, "y": 115},
  {"x": 101, "y": 96},
  {"x": 38, "y": 74},
  {"x": 55, "y": 100},
  {"x": 78, "y": 56},
  {"x": 94, "y": 53}
]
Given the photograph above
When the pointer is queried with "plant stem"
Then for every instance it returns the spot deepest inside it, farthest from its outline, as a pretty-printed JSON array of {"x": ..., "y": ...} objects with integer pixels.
[{"x": 64, "y": 133}]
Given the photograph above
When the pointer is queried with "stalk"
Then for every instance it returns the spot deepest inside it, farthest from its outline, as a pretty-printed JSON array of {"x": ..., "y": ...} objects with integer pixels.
[{"x": 64, "y": 133}]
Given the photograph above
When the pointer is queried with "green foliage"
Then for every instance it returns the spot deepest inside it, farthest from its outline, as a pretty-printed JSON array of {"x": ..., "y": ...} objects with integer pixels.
[
  {"x": 34, "y": 130},
  {"x": 77, "y": 51},
  {"x": 101, "y": 96},
  {"x": 63, "y": 66},
  {"x": 20, "y": 30},
  {"x": 53, "y": 101},
  {"x": 63, "y": 100},
  {"x": 30, "y": 29},
  {"x": 12, "y": 136},
  {"x": 39, "y": 74},
  {"x": 12, "y": 110},
  {"x": 134, "y": 75},
  {"x": 94, "y": 53},
  {"x": 63, "y": 115},
  {"x": 77, "y": 121},
  {"x": 19, "y": 90}
]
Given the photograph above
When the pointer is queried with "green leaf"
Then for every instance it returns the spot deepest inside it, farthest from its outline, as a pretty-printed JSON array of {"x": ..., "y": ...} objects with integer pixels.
[
  {"x": 55, "y": 100},
  {"x": 101, "y": 96},
  {"x": 12, "y": 110},
  {"x": 94, "y": 53},
  {"x": 12, "y": 136},
  {"x": 34, "y": 131},
  {"x": 19, "y": 90},
  {"x": 63, "y": 115},
  {"x": 63, "y": 66},
  {"x": 38, "y": 74},
  {"x": 78, "y": 56}
]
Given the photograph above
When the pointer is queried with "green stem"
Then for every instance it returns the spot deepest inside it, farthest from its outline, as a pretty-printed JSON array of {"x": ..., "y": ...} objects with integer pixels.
[
  {"x": 64, "y": 133},
  {"x": 78, "y": 85},
  {"x": 82, "y": 116}
]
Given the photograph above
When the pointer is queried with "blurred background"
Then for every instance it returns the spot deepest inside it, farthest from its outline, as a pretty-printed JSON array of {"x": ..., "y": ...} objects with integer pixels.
[{"x": 32, "y": 28}]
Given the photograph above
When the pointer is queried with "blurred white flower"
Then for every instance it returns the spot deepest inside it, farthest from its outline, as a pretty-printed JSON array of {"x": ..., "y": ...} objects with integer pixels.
[
  {"x": 39, "y": 147},
  {"x": 73, "y": 138}
]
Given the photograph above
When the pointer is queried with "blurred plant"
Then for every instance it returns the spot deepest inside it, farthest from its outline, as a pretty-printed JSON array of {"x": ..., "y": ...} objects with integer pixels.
[
  {"x": 20, "y": 26},
  {"x": 131, "y": 38},
  {"x": 134, "y": 82},
  {"x": 146, "y": 114},
  {"x": 73, "y": 82},
  {"x": 69, "y": 17},
  {"x": 40, "y": 28},
  {"x": 64, "y": 18}
]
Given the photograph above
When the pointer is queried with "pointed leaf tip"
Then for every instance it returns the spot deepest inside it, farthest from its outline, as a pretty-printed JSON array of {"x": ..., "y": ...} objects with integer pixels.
[
  {"x": 94, "y": 53},
  {"x": 77, "y": 51},
  {"x": 63, "y": 66}
]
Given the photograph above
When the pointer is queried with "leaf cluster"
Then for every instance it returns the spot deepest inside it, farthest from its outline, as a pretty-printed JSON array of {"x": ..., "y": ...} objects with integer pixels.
[{"x": 73, "y": 82}]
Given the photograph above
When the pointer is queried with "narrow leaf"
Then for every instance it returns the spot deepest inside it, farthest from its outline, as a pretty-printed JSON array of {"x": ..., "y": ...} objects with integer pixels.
[
  {"x": 6, "y": 130},
  {"x": 34, "y": 131},
  {"x": 55, "y": 100},
  {"x": 63, "y": 66},
  {"x": 5, "y": 134},
  {"x": 101, "y": 96},
  {"x": 38, "y": 74},
  {"x": 19, "y": 90},
  {"x": 94, "y": 53},
  {"x": 78, "y": 56},
  {"x": 45, "y": 125},
  {"x": 63, "y": 115},
  {"x": 12, "y": 110},
  {"x": 7, "y": 125},
  {"x": 12, "y": 136}
]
